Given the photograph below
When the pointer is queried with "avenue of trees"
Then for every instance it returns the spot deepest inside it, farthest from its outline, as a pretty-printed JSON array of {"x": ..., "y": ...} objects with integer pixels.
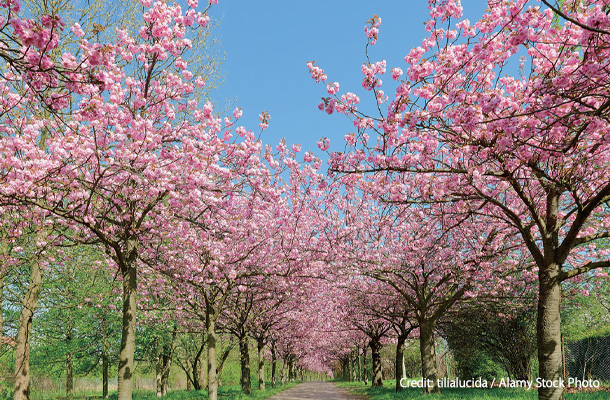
[{"x": 472, "y": 196}]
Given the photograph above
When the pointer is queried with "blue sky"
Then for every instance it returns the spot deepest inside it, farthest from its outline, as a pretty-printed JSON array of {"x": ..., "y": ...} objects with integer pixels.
[{"x": 268, "y": 43}]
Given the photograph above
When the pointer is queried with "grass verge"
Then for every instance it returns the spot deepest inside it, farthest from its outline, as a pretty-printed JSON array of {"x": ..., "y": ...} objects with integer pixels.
[
  {"x": 387, "y": 392},
  {"x": 227, "y": 392}
]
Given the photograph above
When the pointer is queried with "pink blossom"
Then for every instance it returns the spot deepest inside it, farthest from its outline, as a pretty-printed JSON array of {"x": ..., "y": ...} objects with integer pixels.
[
  {"x": 76, "y": 29},
  {"x": 332, "y": 88},
  {"x": 324, "y": 144},
  {"x": 396, "y": 73}
]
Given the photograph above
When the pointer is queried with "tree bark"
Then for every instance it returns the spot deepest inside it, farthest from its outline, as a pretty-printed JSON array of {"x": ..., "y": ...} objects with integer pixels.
[
  {"x": 244, "y": 351},
  {"x": 273, "y": 363},
  {"x": 166, "y": 365},
  {"x": 399, "y": 361},
  {"x": 428, "y": 356},
  {"x": 290, "y": 371},
  {"x": 158, "y": 370},
  {"x": 212, "y": 378},
  {"x": 260, "y": 345},
  {"x": 365, "y": 376},
  {"x": 22, "y": 343},
  {"x": 168, "y": 351},
  {"x": 376, "y": 356},
  {"x": 128, "y": 337},
  {"x": 549, "y": 332},
  {"x": 350, "y": 367},
  {"x": 105, "y": 369},
  {"x": 69, "y": 374}
]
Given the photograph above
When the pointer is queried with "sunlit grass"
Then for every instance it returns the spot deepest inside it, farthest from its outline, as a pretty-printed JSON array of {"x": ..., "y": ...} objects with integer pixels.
[
  {"x": 387, "y": 392},
  {"x": 228, "y": 392}
]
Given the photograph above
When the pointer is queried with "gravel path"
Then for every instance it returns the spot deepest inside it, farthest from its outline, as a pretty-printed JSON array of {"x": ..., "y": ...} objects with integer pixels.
[{"x": 314, "y": 391}]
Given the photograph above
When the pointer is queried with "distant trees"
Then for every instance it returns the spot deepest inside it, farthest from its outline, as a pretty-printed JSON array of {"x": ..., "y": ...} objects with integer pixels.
[{"x": 504, "y": 336}]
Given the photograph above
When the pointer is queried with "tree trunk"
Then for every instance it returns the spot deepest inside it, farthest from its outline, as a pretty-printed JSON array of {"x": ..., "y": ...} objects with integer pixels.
[
  {"x": 168, "y": 351},
  {"x": 22, "y": 343},
  {"x": 69, "y": 375},
  {"x": 211, "y": 332},
  {"x": 399, "y": 362},
  {"x": 261, "y": 363},
  {"x": 197, "y": 374},
  {"x": 105, "y": 370},
  {"x": 365, "y": 375},
  {"x": 376, "y": 356},
  {"x": 221, "y": 365},
  {"x": 359, "y": 367},
  {"x": 428, "y": 356},
  {"x": 273, "y": 363},
  {"x": 197, "y": 368},
  {"x": 244, "y": 351},
  {"x": 350, "y": 368},
  {"x": 549, "y": 333},
  {"x": 166, "y": 365},
  {"x": 128, "y": 337},
  {"x": 158, "y": 370}
]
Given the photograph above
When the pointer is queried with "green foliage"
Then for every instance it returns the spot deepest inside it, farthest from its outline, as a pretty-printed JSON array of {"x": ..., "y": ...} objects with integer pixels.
[
  {"x": 585, "y": 316},
  {"x": 75, "y": 315},
  {"x": 487, "y": 340}
]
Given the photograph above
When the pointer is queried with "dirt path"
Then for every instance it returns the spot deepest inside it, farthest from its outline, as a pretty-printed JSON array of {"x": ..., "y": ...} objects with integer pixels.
[{"x": 315, "y": 391}]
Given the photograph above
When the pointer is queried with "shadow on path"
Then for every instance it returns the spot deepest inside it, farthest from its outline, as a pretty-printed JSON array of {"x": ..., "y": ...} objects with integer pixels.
[{"x": 314, "y": 390}]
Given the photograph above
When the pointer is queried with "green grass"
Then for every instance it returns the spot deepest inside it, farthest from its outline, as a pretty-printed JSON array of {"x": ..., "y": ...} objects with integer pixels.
[
  {"x": 228, "y": 392},
  {"x": 387, "y": 392}
]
